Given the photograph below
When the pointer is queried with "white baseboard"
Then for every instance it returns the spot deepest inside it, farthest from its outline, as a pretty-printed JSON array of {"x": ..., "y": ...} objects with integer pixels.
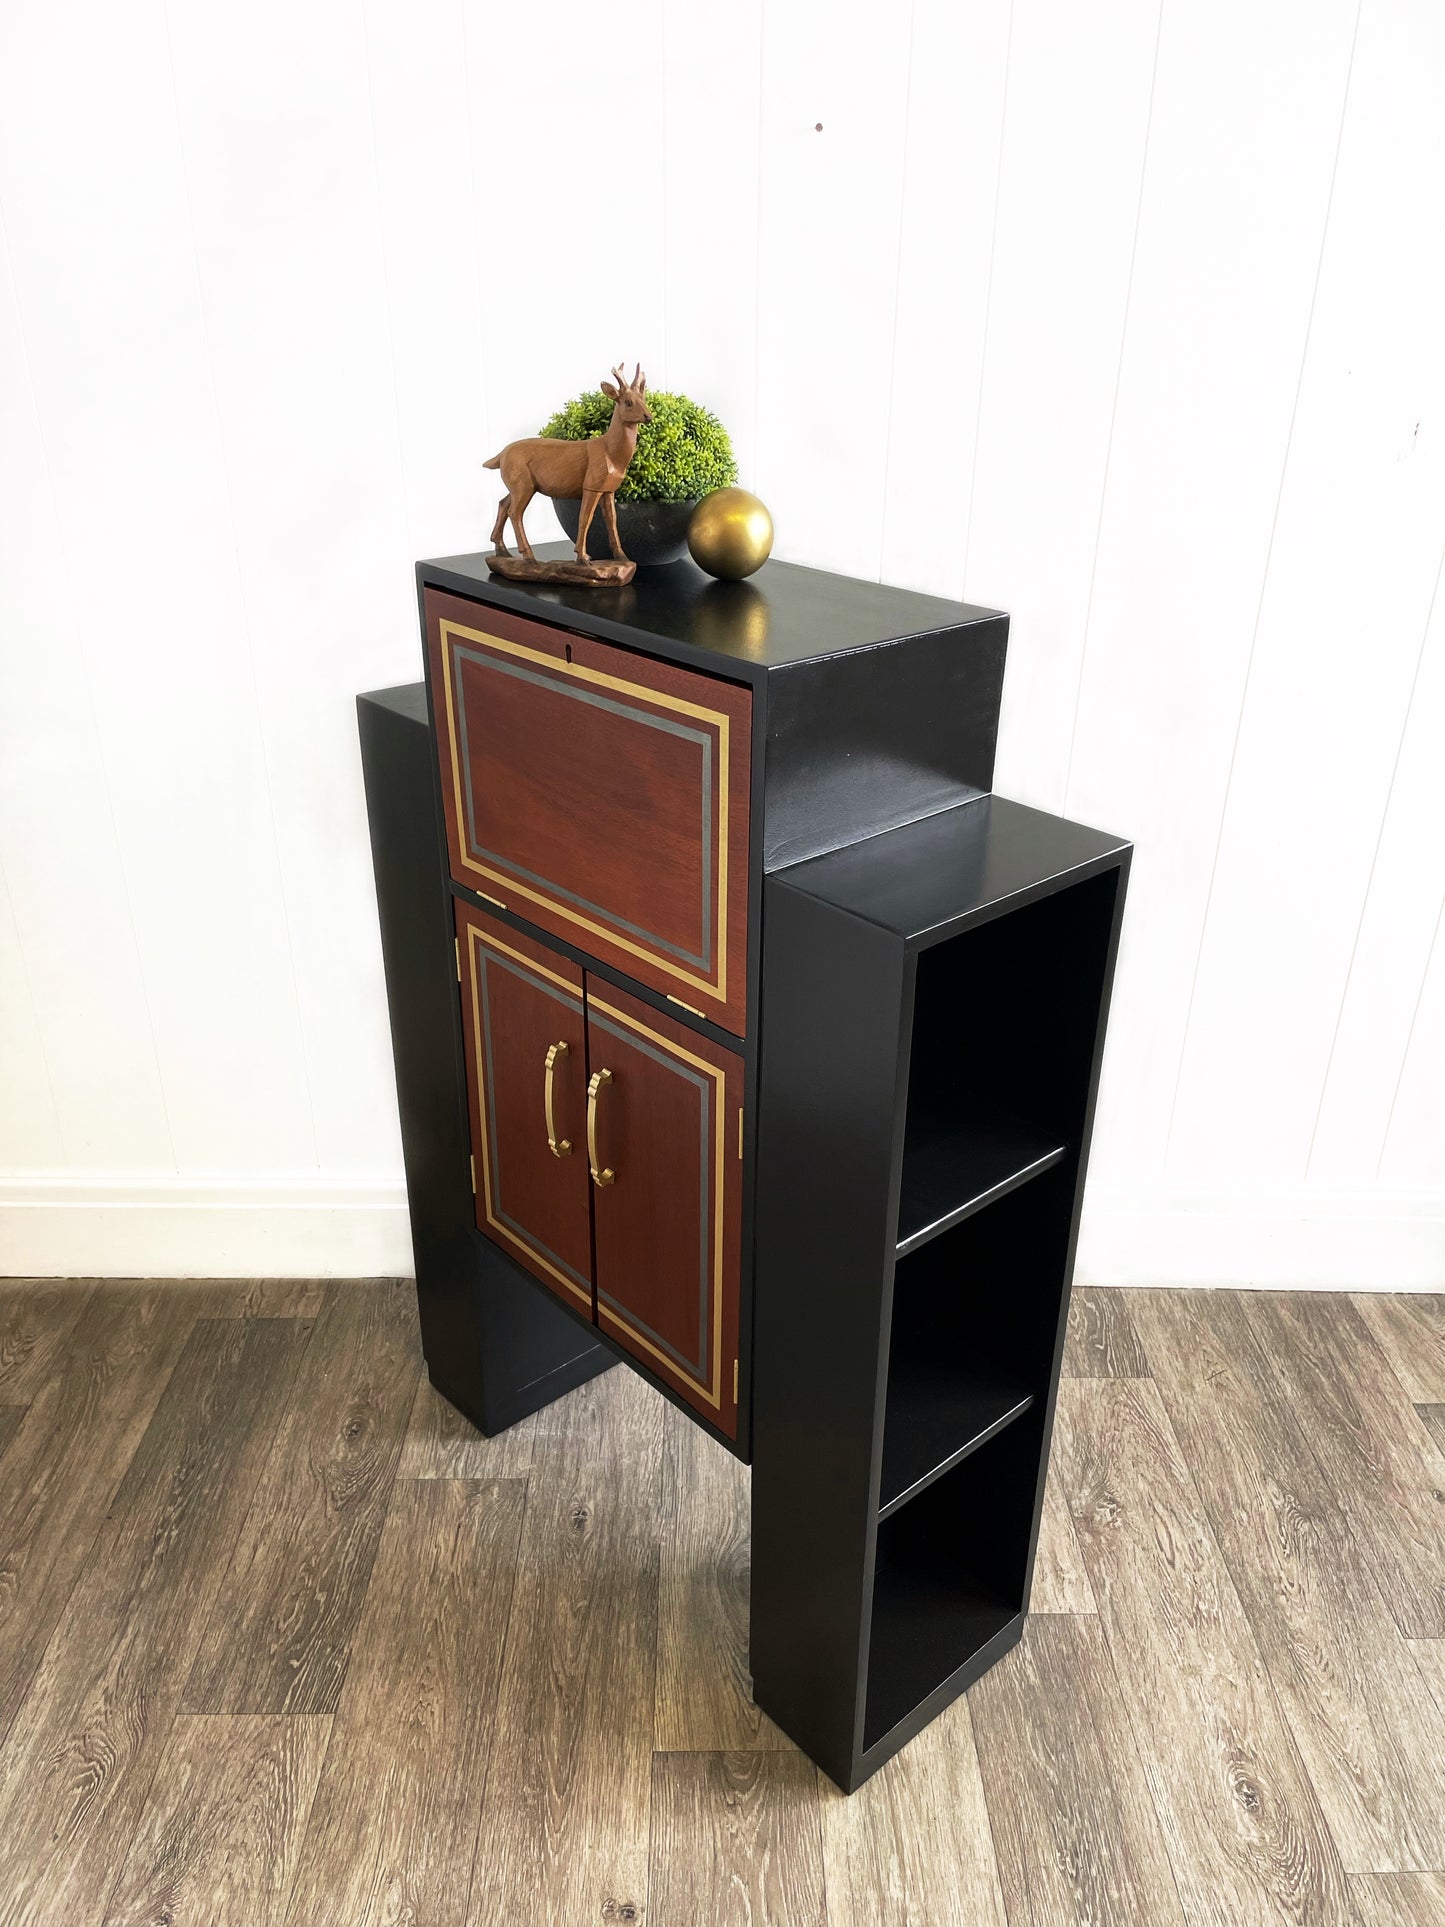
[
  {"x": 170, "y": 1227},
  {"x": 311, "y": 1227},
  {"x": 1301, "y": 1240}
]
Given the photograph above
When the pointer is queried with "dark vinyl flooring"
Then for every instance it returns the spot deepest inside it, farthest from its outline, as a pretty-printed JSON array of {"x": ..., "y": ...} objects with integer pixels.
[{"x": 282, "y": 1640}]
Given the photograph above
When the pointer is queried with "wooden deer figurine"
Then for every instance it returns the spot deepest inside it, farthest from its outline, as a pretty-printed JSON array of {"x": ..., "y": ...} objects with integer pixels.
[{"x": 592, "y": 470}]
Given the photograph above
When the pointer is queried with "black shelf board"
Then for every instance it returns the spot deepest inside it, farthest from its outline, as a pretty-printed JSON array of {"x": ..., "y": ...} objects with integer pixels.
[
  {"x": 937, "y": 1414},
  {"x": 945, "y": 873},
  {"x": 952, "y": 1170},
  {"x": 924, "y": 1630}
]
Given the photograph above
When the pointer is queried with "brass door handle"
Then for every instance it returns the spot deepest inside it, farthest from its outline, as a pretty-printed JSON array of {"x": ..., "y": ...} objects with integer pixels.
[
  {"x": 559, "y": 1147},
  {"x": 595, "y": 1083}
]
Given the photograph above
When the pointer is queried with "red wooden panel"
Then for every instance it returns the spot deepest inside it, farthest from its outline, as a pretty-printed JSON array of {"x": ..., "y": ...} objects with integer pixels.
[
  {"x": 518, "y": 999},
  {"x": 668, "y": 1229},
  {"x": 600, "y": 794}
]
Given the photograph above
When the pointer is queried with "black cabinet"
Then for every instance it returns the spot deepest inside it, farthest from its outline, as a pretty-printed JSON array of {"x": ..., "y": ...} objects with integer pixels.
[{"x": 880, "y": 1053}]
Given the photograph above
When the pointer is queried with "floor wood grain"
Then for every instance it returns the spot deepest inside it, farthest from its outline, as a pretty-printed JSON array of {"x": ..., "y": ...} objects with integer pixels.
[
  {"x": 1399, "y": 1899},
  {"x": 567, "y": 1799},
  {"x": 1410, "y": 1330},
  {"x": 441, "y": 1444},
  {"x": 736, "y": 1841},
  {"x": 703, "y": 1695},
  {"x": 280, "y": 1636},
  {"x": 89, "y": 1736},
  {"x": 1246, "y": 1835},
  {"x": 1074, "y": 1824},
  {"x": 1061, "y": 1583},
  {"x": 218, "y": 1840},
  {"x": 1380, "y": 1462},
  {"x": 914, "y": 1843},
  {"x": 1101, "y": 1341},
  {"x": 1433, "y": 1419},
  {"x": 1349, "y": 1686},
  {"x": 395, "y": 1819},
  {"x": 284, "y": 1642},
  {"x": 68, "y": 1458},
  {"x": 37, "y": 1317},
  {"x": 1429, "y": 1656}
]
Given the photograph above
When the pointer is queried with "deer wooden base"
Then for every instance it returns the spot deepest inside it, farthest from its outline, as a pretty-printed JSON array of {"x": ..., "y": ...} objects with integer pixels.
[{"x": 581, "y": 575}]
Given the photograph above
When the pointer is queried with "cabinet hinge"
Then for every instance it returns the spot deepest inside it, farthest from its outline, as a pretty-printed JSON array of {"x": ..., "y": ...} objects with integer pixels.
[
  {"x": 457, "y": 947},
  {"x": 473, "y": 1163},
  {"x": 740, "y": 1131},
  {"x": 735, "y": 1381},
  {"x": 682, "y": 1006}
]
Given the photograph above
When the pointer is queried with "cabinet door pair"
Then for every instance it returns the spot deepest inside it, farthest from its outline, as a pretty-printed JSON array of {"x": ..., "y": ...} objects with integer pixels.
[{"x": 607, "y": 1142}]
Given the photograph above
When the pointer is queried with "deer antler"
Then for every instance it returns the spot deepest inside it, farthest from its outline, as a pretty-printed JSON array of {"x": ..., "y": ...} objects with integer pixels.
[{"x": 621, "y": 378}]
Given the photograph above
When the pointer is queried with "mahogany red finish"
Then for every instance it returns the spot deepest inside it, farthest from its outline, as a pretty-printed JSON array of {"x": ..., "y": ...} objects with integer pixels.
[
  {"x": 667, "y": 1229},
  {"x": 519, "y": 999},
  {"x": 599, "y": 794}
]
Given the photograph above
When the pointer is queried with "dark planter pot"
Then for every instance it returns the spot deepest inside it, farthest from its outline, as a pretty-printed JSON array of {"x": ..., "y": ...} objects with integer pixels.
[{"x": 651, "y": 532}]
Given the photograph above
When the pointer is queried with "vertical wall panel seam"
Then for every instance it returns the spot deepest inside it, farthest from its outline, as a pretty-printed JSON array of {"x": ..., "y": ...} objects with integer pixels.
[
  {"x": 246, "y": 625},
  {"x": 988, "y": 296},
  {"x": 1370, "y": 882},
  {"x": 1263, "y": 591},
  {"x": 1409, "y": 1039},
  {"x": 101, "y": 762},
  {"x": 897, "y": 287},
  {"x": 1114, "y": 406}
]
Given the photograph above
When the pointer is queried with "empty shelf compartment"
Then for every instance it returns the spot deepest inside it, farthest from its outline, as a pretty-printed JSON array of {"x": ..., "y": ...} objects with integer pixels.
[
  {"x": 949, "y": 1574},
  {"x": 951, "y": 1169}
]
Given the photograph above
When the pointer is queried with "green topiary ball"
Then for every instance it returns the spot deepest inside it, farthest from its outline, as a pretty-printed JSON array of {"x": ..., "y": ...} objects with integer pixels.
[{"x": 682, "y": 452}]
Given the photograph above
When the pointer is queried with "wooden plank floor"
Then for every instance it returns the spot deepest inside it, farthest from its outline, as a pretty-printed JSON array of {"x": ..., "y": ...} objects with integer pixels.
[{"x": 284, "y": 1643}]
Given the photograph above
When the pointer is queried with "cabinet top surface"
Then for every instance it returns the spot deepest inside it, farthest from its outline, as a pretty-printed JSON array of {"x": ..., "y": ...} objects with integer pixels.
[
  {"x": 784, "y": 614},
  {"x": 931, "y": 878}
]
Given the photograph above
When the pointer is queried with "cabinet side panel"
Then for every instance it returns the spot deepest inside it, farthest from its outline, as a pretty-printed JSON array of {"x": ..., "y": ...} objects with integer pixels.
[
  {"x": 1090, "y": 1016},
  {"x": 493, "y": 1345},
  {"x": 870, "y": 740},
  {"x": 833, "y": 1010}
]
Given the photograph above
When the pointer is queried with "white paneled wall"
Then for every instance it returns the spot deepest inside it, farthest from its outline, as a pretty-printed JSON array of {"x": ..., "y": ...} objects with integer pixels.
[{"x": 1126, "y": 317}]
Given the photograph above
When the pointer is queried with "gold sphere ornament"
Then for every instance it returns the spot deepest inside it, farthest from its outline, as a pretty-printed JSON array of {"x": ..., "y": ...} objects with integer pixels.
[{"x": 730, "y": 534}]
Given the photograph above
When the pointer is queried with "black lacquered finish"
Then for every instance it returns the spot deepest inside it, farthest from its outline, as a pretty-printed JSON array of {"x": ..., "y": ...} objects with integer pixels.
[
  {"x": 877, "y": 705},
  {"x": 493, "y": 1345},
  {"x": 936, "y": 1000},
  {"x": 928, "y": 970}
]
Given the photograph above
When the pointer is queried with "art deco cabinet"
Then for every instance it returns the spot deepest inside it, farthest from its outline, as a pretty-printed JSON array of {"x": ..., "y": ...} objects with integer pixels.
[{"x": 742, "y": 1034}]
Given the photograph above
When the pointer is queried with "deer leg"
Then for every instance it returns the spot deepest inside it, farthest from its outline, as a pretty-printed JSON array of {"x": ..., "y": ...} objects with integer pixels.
[
  {"x": 590, "y": 498},
  {"x": 521, "y": 494},
  {"x": 499, "y": 527},
  {"x": 609, "y": 516}
]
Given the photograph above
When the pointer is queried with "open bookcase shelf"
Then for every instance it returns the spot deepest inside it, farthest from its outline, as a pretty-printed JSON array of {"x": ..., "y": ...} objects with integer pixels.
[
  {"x": 972, "y": 1333},
  {"x": 948, "y": 1575},
  {"x": 937, "y": 1414},
  {"x": 953, "y": 1168},
  {"x": 940, "y": 1036},
  {"x": 997, "y": 1087}
]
